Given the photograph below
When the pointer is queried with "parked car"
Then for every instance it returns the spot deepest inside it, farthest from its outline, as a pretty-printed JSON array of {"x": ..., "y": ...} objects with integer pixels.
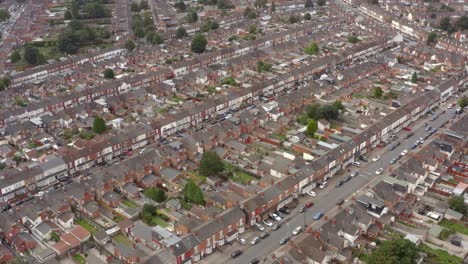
[
  {"x": 275, "y": 217},
  {"x": 284, "y": 210},
  {"x": 409, "y": 135},
  {"x": 428, "y": 128},
  {"x": 264, "y": 235},
  {"x": 356, "y": 163},
  {"x": 236, "y": 253},
  {"x": 363, "y": 158},
  {"x": 142, "y": 151},
  {"x": 347, "y": 178},
  {"x": 318, "y": 215},
  {"x": 284, "y": 240},
  {"x": 338, "y": 183},
  {"x": 254, "y": 261},
  {"x": 255, "y": 240},
  {"x": 302, "y": 209},
  {"x": 414, "y": 146},
  {"x": 393, "y": 161},
  {"x": 311, "y": 193},
  {"x": 297, "y": 230},
  {"x": 379, "y": 171},
  {"x": 340, "y": 202},
  {"x": 241, "y": 241},
  {"x": 39, "y": 194},
  {"x": 267, "y": 223},
  {"x": 323, "y": 185},
  {"x": 259, "y": 227},
  {"x": 407, "y": 128},
  {"x": 404, "y": 152},
  {"x": 309, "y": 204},
  {"x": 354, "y": 173},
  {"x": 376, "y": 158},
  {"x": 276, "y": 227}
]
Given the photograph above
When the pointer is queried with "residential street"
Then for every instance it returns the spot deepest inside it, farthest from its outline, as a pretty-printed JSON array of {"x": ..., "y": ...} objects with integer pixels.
[{"x": 326, "y": 198}]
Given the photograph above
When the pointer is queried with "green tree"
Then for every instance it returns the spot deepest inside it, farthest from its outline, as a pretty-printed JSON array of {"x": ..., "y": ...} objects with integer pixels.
[
  {"x": 312, "y": 127},
  {"x": 154, "y": 38},
  {"x": 156, "y": 194},
  {"x": 260, "y": 3},
  {"x": 54, "y": 237},
  {"x": 15, "y": 56},
  {"x": 193, "y": 193},
  {"x": 32, "y": 55},
  {"x": 4, "y": 14},
  {"x": 99, "y": 125},
  {"x": 431, "y": 38},
  {"x": 130, "y": 45},
  {"x": 252, "y": 29},
  {"x": 398, "y": 251},
  {"x": 446, "y": 25},
  {"x": 68, "y": 42},
  {"x": 180, "y": 6},
  {"x": 457, "y": 203},
  {"x": 273, "y": 7},
  {"x": 307, "y": 16},
  {"x": 192, "y": 17},
  {"x": 328, "y": 112},
  {"x": 263, "y": 66},
  {"x": 109, "y": 73},
  {"x": 339, "y": 105},
  {"x": 321, "y": 2},
  {"x": 462, "y": 23},
  {"x": 353, "y": 39},
  {"x": 139, "y": 32},
  {"x": 134, "y": 7},
  {"x": 414, "y": 77},
  {"x": 378, "y": 92},
  {"x": 67, "y": 15},
  {"x": 308, "y": 4},
  {"x": 210, "y": 164},
  {"x": 199, "y": 43},
  {"x": 5, "y": 82},
  {"x": 312, "y": 48},
  {"x": 144, "y": 5},
  {"x": 312, "y": 111},
  {"x": 293, "y": 19},
  {"x": 95, "y": 10},
  {"x": 373, "y": 2},
  {"x": 463, "y": 101},
  {"x": 148, "y": 212},
  {"x": 181, "y": 33}
]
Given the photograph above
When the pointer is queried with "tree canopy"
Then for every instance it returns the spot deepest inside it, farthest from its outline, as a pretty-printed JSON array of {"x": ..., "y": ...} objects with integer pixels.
[
  {"x": 327, "y": 111},
  {"x": 130, "y": 45},
  {"x": 210, "y": 164},
  {"x": 312, "y": 127},
  {"x": 457, "y": 203},
  {"x": 99, "y": 125},
  {"x": 193, "y": 193},
  {"x": 321, "y": 2},
  {"x": 181, "y": 33},
  {"x": 156, "y": 194},
  {"x": 15, "y": 56},
  {"x": 353, "y": 39},
  {"x": 192, "y": 17},
  {"x": 463, "y": 101},
  {"x": 312, "y": 48},
  {"x": 109, "y": 73},
  {"x": 154, "y": 38},
  {"x": 33, "y": 56},
  {"x": 414, "y": 77},
  {"x": 199, "y": 43},
  {"x": 307, "y": 16},
  {"x": 4, "y": 14},
  {"x": 378, "y": 92},
  {"x": 431, "y": 38},
  {"x": 5, "y": 82},
  {"x": 308, "y": 4},
  {"x": 398, "y": 251}
]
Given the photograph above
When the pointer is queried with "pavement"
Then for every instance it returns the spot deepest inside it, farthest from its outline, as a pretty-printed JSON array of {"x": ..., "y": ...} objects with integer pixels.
[{"x": 326, "y": 198}]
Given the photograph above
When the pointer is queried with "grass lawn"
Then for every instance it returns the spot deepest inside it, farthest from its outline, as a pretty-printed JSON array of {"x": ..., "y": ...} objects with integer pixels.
[
  {"x": 79, "y": 259},
  {"x": 158, "y": 221},
  {"x": 123, "y": 240},
  {"x": 129, "y": 203},
  {"x": 242, "y": 177},
  {"x": 439, "y": 256},
  {"x": 86, "y": 225},
  {"x": 364, "y": 257},
  {"x": 454, "y": 226}
]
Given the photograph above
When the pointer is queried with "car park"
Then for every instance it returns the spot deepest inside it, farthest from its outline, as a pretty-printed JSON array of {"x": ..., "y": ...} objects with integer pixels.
[
  {"x": 264, "y": 235},
  {"x": 267, "y": 222},
  {"x": 318, "y": 215},
  {"x": 255, "y": 241},
  {"x": 338, "y": 183},
  {"x": 297, "y": 230},
  {"x": 259, "y": 227},
  {"x": 311, "y": 193},
  {"x": 236, "y": 253},
  {"x": 379, "y": 171}
]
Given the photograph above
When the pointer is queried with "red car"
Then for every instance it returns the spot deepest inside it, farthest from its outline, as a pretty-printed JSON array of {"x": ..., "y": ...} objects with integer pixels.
[
  {"x": 309, "y": 204},
  {"x": 407, "y": 128}
]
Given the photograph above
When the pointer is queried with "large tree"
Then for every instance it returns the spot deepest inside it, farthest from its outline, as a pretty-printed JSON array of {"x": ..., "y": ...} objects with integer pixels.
[
  {"x": 15, "y": 56},
  {"x": 414, "y": 77},
  {"x": 130, "y": 45},
  {"x": 181, "y": 33},
  {"x": 33, "y": 56},
  {"x": 463, "y": 101},
  {"x": 210, "y": 164},
  {"x": 321, "y": 2},
  {"x": 398, "y": 251},
  {"x": 457, "y": 203},
  {"x": 156, "y": 194},
  {"x": 192, "y": 17},
  {"x": 199, "y": 43},
  {"x": 431, "y": 38},
  {"x": 4, "y": 14},
  {"x": 378, "y": 92},
  {"x": 312, "y": 48},
  {"x": 99, "y": 125},
  {"x": 109, "y": 73},
  {"x": 193, "y": 193},
  {"x": 312, "y": 127},
  {"x": 462, "y": 23},
  {"x": 329, "y": 112}
]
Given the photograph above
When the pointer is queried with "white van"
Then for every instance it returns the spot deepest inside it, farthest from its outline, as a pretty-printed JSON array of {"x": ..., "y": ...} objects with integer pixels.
[{"x": 357, "y": 163}]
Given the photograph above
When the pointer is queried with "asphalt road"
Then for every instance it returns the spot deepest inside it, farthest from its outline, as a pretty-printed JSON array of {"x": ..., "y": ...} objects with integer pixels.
[{"x": 326, "y": 198}]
